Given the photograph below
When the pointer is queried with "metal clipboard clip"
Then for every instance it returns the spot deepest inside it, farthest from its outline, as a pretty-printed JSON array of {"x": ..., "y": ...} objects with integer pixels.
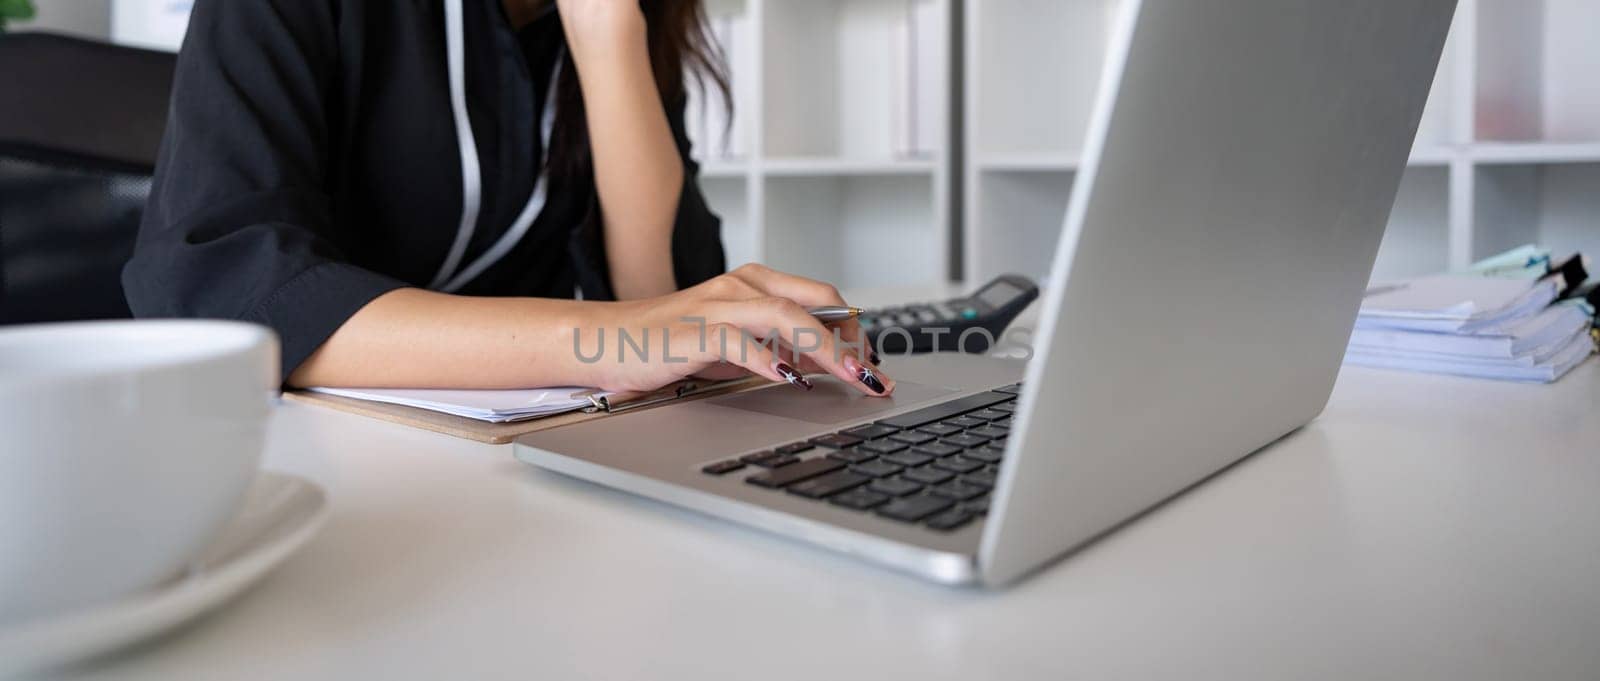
[{"x": 618, "y": 403}]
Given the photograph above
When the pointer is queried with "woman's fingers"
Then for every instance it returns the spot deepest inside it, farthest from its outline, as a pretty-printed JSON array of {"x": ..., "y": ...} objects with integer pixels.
[
  {"x": 781, "y": 320},
  {"x": 731, "y": 346},
  {"x": 765, "y": 281}
]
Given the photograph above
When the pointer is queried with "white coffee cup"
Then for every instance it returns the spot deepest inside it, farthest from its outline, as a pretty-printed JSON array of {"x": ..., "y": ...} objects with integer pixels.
[{"x": 125, "y": 447}]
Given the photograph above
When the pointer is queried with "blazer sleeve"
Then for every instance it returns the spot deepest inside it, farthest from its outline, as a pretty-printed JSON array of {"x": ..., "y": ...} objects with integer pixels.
[
  {"x": 696, "y": 235},
  {"x": 239, "y": 221}
]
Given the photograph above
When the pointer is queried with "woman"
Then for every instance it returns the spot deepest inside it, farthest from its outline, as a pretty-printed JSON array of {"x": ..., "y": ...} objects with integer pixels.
[{"x": 410, "y": 192}]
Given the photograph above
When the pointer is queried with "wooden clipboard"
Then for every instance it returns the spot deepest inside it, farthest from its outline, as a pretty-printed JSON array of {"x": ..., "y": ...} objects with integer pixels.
[{"x": 503, "y": 433}]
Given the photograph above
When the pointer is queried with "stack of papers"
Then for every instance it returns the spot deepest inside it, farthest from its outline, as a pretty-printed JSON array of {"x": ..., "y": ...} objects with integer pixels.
[
  {"x": 1465, "y": 325},
  {"x": 491, "y": 406}
]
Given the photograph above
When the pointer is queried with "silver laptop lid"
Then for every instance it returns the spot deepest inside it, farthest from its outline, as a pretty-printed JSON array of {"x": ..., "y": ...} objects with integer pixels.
[{"x": 1241, "y": 164}]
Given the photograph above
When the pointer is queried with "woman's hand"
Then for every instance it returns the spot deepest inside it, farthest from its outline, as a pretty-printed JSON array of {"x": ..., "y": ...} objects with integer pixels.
[{"x": 751, "y": 320}]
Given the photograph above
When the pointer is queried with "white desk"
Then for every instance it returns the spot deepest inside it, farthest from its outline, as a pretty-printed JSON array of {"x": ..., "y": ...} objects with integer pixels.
[{"x": 1423, "y": 528}]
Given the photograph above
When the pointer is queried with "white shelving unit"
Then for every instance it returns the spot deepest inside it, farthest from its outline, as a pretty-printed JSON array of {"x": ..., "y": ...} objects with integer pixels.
[
  {"x": 821, "y": 187},
  {"x": 1508, "y": 152}
]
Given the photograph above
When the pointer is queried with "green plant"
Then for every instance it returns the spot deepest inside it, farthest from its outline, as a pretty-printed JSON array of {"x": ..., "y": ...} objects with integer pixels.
[{"x": 20, "y": 10}]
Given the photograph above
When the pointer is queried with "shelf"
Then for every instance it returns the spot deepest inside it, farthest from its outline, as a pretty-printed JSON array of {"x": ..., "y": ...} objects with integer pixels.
[
  {"x": 1536, "y": 64},
  {"x": 1432, "y": 156},
  {"x": 1028, "y": 162},
  {"x": 854, "y": 78},
  {"x": 1417, "y": 240},
  {"x": 729, "y": 198},
  {"x": 854, "y": 231},
  {"x": 1036, "y": 66},
  {"x": 723, "y": 169},
  {"x": 1535, "y": 153},
  {"x": 1556, "y": 206},
  {"x": 819, "y": 166},
  {"x": 1018, "y": 223}
]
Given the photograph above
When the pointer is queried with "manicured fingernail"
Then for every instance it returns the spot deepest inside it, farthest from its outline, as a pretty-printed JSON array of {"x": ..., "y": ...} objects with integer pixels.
[
  {"x": 867, "y": 377},
  {"x": 793, "y": 377}
]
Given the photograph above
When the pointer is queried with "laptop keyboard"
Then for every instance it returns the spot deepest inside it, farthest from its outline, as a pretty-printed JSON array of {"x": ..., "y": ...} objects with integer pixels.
[{"x": 935, "y": 466}]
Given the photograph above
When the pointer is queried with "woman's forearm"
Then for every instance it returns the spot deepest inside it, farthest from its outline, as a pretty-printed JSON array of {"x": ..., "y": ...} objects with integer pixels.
[
  {"x": 638, "y": 170},
  {"x": 412, "y": 338}
]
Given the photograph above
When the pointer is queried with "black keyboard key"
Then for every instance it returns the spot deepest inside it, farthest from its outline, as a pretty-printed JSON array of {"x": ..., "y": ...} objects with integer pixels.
[
  {"x": 986, "y": 454},
  {"x": 958, "y": 464},
  {"x": 914, "y": 508},
  {"x": 761, "y": 458},
  {"x": 940, "y": 412},
  {"x": 965, "y": 440},
  {"x": 1013, "y": 389},
  {"x": 912, "y": 437},
  {"x": 789, "y": 475},
  {"x": 828, "y": 485},
  {"x": 1007, "y": 407},
  {"x": 964, "y": 422},
  {"x": 937, "y": 449},
  {"x": 859, "y": 499},
  {"x": 795, "y": 448},
  {"x": 990, "y": 431},
  {"x": 870, "y": 431},
  {"x": 723, "y": 467},
  {"x": 881, "y": 447},
  {"x": 928, "y": 475},
  {"x": 909, "y": 459},
  {"x": 938, "y": 429},
  {"x": 950, "y": 520},
  {"x": 877, "y": 469},
  {"x": 955, "y": 489},
  {"x": 836, "y": 441},
  {"x": 977, "y": 505},
  {"x": 894, "y": 487},
  {"x": 989, "y": 414},
  {"x": 852, "y": 455},
  {"x": 981, "y": 477}
]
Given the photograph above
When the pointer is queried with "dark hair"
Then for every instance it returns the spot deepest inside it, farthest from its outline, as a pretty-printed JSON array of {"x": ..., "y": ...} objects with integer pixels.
[{"x": 680, "y": 45}]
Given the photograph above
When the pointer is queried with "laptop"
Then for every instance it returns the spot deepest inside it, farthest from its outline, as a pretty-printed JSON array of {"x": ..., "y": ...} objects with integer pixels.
[{"x": 1241, "y": 163}]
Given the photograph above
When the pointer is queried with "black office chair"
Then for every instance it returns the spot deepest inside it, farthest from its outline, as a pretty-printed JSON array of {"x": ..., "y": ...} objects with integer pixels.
[{"x": 80, "y": 123}]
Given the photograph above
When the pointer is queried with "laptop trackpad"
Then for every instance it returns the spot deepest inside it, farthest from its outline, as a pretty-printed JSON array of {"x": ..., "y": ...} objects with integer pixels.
[{"x": 831, "y": 402}]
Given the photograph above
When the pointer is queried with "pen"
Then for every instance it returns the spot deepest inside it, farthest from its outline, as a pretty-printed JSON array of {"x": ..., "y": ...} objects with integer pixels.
[{"x": 834, "y": 313}]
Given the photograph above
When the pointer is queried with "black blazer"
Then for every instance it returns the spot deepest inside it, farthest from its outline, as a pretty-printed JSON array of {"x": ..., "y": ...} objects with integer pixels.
[{"x": 310, "y": 164}]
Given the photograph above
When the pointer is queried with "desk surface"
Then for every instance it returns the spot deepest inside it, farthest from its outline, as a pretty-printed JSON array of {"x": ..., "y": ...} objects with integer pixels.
[{"x": 1423, "y": 528}]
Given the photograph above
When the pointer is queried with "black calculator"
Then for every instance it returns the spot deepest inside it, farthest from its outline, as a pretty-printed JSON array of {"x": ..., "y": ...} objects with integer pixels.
[{"x": 969, "y": 324}]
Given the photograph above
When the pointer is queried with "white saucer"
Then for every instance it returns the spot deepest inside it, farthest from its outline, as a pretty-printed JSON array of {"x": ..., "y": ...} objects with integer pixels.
[{"x": 280, "y": 514}]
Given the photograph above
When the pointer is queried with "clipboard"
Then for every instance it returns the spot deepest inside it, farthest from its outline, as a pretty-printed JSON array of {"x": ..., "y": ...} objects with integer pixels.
[{"x": 600, "y": 406}]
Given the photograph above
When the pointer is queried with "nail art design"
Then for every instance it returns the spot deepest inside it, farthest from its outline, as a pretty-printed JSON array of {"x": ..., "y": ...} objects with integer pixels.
[
  {"x": 793, "y": 377},
  {"x": 869, "y": 379}
]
